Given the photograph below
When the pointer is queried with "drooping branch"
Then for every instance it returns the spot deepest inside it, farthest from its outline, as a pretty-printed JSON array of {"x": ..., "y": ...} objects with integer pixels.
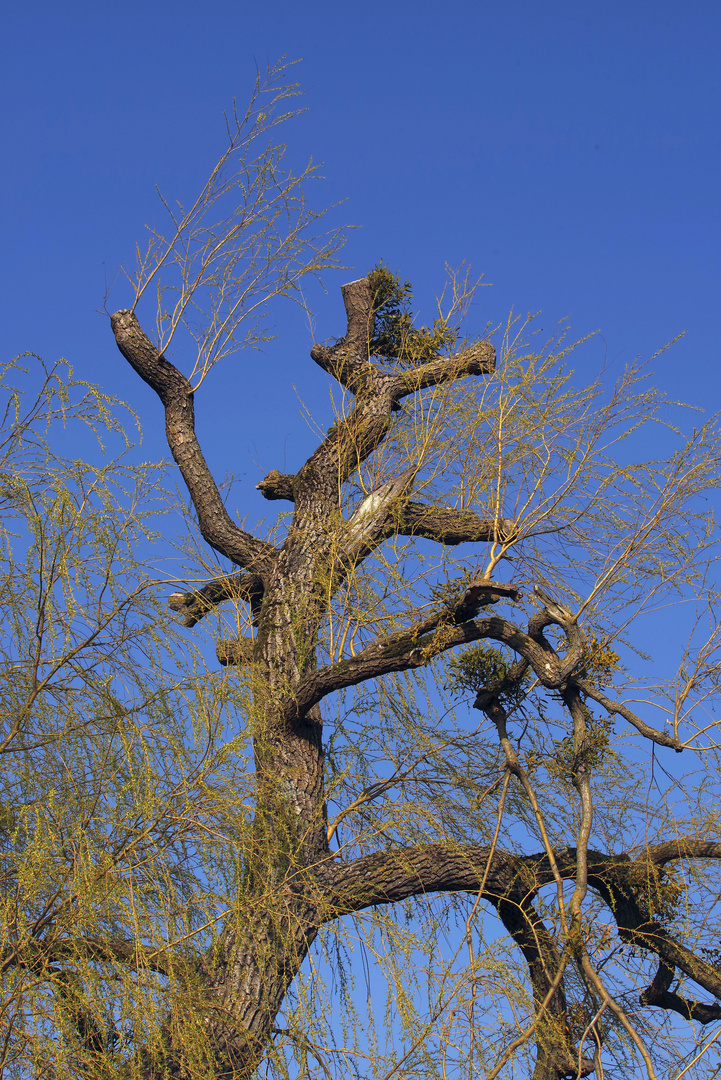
[
  {"x": 624, "y": 884},
  {"x": 193, "y": 606},
  {"x": 176, "y": 394}
]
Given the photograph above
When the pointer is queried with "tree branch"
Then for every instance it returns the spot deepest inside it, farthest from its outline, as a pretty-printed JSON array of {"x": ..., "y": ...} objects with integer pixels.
[
  {"x": 616, "y": 708},
  {"x": 416, "y": 646},
  {"x": 378, "y": 391},
  {"x": 175, "y": 392},
  {"x": 479, "y": 359},
  {"x": 389, "y": 877},
  {"x": 658, "y": 993},
  {"x": 36, "y": 955},
  {"x": 556, "y": 1055},
  {"x": 683, "y": 847},
  {"x": 510, "y": 881},
  {"x": 234, "y": 651},
  {"x": 277, "y": 486},
  {"x": 448, "y": 526},
  {"x": 348, "y": 360},
  {"x": 193, "y": 606}
]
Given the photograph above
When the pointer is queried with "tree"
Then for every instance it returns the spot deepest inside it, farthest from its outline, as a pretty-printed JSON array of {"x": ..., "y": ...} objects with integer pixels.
[{"x": 189, "y": 853}]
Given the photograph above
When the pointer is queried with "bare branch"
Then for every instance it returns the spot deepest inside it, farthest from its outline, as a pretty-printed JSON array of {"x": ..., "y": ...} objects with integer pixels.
[
  {"x": 193, "y": 606},
  {"x": 659, "y": 994},
  {"x": 617, "y": 708},
  {"x": 348, "y": 360},
  {"x": 448, "y": 526},
  {"x": 388, "y": 877},
  {"x": 234, "y": 651},
  {"x": 479, "y": 359},
  {"x": 277, "y": 486},
  {"x": 176, "y": 394}
]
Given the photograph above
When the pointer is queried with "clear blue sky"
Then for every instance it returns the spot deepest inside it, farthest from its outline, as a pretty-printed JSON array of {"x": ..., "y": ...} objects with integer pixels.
[{"x": 569, "y": 151}]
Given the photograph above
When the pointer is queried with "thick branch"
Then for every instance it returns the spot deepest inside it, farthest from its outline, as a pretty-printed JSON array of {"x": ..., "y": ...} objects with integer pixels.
[
  {"x": 176, "y": 394},
  {"x": 348, "y": 360},
  {"x": 406, "y": 650},
  {"x": 448, "y": 526},
  {"x": 372, "y": 521},
  {"x": 479, "y": 359},
  {"x": 277, "y": 486},
  {"x": 389, "y": 877},
  {"x": 385, "y": 513},
  {"x": 194, "y": 605},
  {"x": 234, "y": 651},
  {"x": 659, "y": 994}
]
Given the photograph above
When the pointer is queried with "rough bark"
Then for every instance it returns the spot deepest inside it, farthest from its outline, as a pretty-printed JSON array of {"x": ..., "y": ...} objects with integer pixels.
[
  {"x": 176, "y": 394},
  {"x": 293, "y": 883}
]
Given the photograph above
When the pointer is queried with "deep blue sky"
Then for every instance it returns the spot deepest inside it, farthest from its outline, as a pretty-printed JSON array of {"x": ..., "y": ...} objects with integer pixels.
[{"x": 568, "y": 151}]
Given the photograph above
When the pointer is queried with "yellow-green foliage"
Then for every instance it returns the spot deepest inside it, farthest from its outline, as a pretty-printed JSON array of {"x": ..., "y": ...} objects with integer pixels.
[{"x": 396, "y": 337}]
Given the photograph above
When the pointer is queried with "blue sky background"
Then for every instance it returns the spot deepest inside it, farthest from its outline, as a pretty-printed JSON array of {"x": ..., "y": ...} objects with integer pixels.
[{"x": 568, "y": 151}]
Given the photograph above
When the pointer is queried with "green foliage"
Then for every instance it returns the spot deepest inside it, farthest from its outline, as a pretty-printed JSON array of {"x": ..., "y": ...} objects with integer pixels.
[
  {"x": 395, "y": 337},
  {"x": 600, "y": 662},
  {"x": 483, "y": 667},
  {"x": 112, "y": 768}
]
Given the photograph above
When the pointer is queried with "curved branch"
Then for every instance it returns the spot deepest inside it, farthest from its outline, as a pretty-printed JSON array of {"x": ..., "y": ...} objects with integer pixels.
[
  {"x": 509, "y": 882},
  {"x": 176, "y": 394},
  {"x": 659, "y": 994},
  {"x": 406, "y": 650},
  {"x": 620, "y": 883},
  {"x": 389, "y": 877}
]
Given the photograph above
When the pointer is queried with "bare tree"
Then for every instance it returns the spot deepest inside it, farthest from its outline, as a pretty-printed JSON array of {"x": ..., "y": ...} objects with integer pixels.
[{"x": 538, "y": 885}]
